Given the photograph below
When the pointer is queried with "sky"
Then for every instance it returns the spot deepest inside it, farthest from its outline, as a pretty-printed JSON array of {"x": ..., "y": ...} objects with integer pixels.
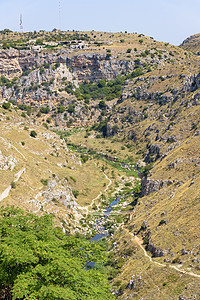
[{"x": 166, "y": 20}]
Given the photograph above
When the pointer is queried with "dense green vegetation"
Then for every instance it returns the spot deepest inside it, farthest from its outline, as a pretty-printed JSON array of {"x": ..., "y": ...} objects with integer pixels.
[
  {"x": 38, "y": 261},
  {"x": 101, "y": 90}
]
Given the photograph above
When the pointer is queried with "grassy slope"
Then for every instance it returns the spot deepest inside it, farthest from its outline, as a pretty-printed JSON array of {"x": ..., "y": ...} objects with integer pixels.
[
  {"x": 192, "y": 43},
  {"x": 43, "y": 156}
]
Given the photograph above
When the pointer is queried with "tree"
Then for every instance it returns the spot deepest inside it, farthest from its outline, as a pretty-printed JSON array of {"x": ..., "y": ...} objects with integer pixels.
[
  {"x": 102, "y": 83},
  {"x": 102, "y": 104},
  {"x": 60, "y": 109},
  {"x": 33, "y": 134},
  {"x": 38, "y": 261},
  {"x": 39, "y": 42},
  {"x": 71, "y": 108}
]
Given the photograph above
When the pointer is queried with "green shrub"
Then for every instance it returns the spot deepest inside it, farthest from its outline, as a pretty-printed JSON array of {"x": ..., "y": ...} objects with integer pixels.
[
  {"x": 75, "y": 193},
  {"x": 44, "y": 181},
  {"x": 71, "y": 109},
  {"x": 13, "y": 185},
  {"x": 72, "y": 178},
  {"x": 45, "y": 125},
  {"x": 84, "y": 158},
  {"x": 108, "y": 56},
  {"x": 33, "y": 133},
  {"x": 23, "y": 115},
  {"x": 45, "y": 110},
  {"x": 60, "y": 109},
  {"x": 6, "y": 105}
]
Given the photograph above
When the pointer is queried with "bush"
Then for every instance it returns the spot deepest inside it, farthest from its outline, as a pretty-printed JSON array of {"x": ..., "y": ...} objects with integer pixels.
[
  {"x": 33, "y": 134},
  {"x": 101, "y": 90},
  {"x": 13, "y": 184},
  {"x": 6, "y": 105},
  {"x": 25, "y": 108},
  {"x": 44, "y": 181},
  {"x": 39, "y": 42},
  {"x": 45, "y": 110},
  {"x": 102, "y": 104},
  {"x": 45, "y": 125},
  {"x": 75, "y": 193},
  {"x": 84, "y": 158},
  {"x": 60, "y": 109},
  {"x": 108, "y": 56},
  {"x": 71, "y": 109},
  {"x": 72, "y": 178},
  {"x": 23, "y": 114}
]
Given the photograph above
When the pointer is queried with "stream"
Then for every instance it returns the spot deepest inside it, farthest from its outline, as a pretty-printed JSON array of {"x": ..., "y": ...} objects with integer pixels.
[
  {"x": 107, "y": 212},
  {"x": 104, "y": 233}
]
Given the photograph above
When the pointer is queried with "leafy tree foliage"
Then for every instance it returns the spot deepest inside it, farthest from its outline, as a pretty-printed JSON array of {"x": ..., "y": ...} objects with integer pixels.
[
  {"x": 37, "y": 261},
  {"x": 101, "y": 90},
  {"x": 60, "y": 109}
]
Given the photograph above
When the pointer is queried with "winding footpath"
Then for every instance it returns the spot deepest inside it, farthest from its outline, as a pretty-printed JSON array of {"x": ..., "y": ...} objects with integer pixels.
[
  {"x": 107, "y": 187},
  {"x": 139, "y": 242},
  {"x": 6, "y": 192},
  {"x": 86, "y": 208},
  {"x": 17, "y": 176}
]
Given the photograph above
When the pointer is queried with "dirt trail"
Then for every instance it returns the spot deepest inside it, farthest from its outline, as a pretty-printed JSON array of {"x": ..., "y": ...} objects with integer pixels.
[
  {"x": 6, "y": 192},
  {"x": 107, "y": 187},
  {"x": 139, "y": 242},
  {"x": 86, "y": 208},
  {"x": 12, "y": 146}
]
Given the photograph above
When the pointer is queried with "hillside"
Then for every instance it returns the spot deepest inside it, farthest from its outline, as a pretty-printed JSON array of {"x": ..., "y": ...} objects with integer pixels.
[
  {"x": 116, "y": 114},
  {"x": 192, "y": 43}
]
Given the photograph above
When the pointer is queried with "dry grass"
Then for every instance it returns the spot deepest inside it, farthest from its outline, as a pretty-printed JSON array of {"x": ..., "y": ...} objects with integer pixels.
[{"x": 151, "y": 281}]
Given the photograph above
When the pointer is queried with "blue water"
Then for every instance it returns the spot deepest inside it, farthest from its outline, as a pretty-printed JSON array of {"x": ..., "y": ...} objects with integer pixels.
[{"x": 108, "y": 210}]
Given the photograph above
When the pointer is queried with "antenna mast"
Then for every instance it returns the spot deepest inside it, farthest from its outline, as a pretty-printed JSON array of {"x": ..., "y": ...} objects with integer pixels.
[{"x": 21, "y": 24}]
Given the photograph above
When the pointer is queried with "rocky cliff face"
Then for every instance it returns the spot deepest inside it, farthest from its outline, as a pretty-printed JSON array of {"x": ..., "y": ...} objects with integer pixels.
[
  {"x": 85, "y": 66},
  {"x": 96, "y": 66},
  {"x": 156, "y": 88},
  {"x": 149, "y": 185},
  {"x": 7, "y": 162},
  {"x": 9, "y": 64},
  {"x": 29, "y": 59}
]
